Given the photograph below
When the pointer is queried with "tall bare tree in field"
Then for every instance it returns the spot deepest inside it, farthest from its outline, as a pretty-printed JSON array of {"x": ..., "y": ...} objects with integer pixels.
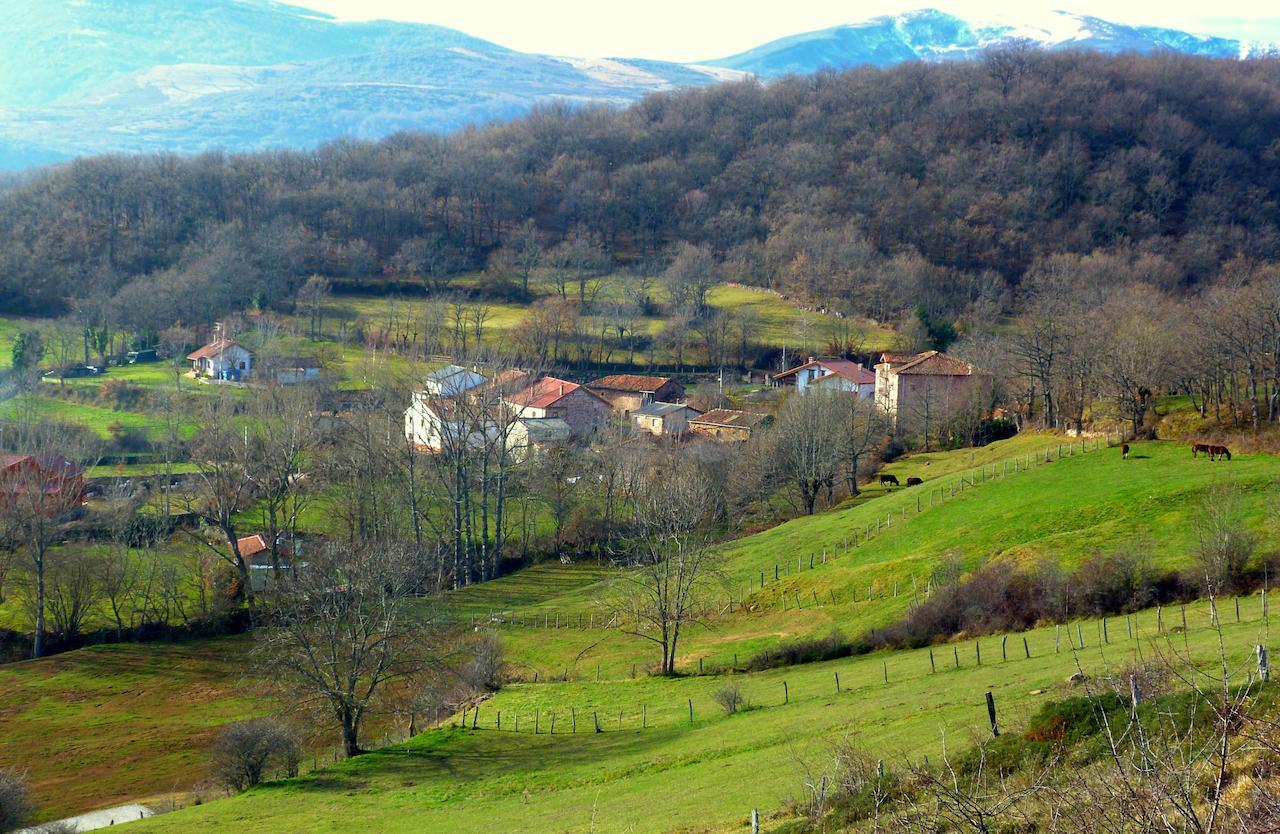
[
  {"x": 810, "y": 443},
  {"x": 666, "y": 591},
  {"x": 338, "y": 632}
]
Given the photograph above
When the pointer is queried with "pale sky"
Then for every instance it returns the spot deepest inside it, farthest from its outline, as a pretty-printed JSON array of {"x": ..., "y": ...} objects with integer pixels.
[{"x": 689, "y": 30}]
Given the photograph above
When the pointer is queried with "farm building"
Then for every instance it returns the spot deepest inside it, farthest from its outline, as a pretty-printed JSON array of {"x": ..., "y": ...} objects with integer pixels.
[
  {"x": 288, "y": 370},
  {"x": 434, "y": 424},
  {"x": 928, "y": 385},
  {"x": 582, "y": 409},
  {"x": 629, "y": 392},
  {"x": 451, "y": 380},
  {"x": 221, "y": 359},
  {"x": 257, "y": 553},
  {"x": 47, "y": 485},
  {"x": 529, "y": 437},
  {"x": 664, "y": 419},
  {"x": 727, "y": 424},
  {"x": 831, "y": 374}
]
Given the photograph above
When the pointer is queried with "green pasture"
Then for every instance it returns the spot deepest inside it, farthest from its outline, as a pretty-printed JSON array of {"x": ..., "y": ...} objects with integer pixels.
[
  {"x": 704, "y": 774},
  {"x": 101, "y": 725},
  {"x": 97, "y": 418}
]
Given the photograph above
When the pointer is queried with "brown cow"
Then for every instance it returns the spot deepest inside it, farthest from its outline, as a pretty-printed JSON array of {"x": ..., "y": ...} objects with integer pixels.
[
  {"x": 914, "y": 481},
  {"x": 887, "y": 480}
]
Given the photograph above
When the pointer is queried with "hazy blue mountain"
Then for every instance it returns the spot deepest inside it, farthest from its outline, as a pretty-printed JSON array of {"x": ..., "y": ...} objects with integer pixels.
[
  {"x": 95, "y": 76},
  {"x": 91, "y": 76},
  {"x": 931, "y": 35}
]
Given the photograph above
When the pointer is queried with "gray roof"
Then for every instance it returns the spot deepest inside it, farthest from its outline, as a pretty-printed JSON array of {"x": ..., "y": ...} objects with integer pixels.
[
  {"x": 657, "y": 409},
  {"x": 546, "y": 429},
  {"x": 453, "y": 379}
]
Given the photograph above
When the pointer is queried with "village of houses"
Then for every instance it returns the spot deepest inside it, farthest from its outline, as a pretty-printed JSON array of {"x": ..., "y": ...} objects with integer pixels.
[{"x": 533, "y": 411}]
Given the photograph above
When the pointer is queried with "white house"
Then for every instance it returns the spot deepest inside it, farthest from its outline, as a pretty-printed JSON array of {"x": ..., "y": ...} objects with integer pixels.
[
  {"x": 221, "y": 359},
  {"x": 837, "y": 374},
  {"x": 664, "y": 418},
  {"x": 435, "y": 424},
  {"x": 452, "y": 381}
]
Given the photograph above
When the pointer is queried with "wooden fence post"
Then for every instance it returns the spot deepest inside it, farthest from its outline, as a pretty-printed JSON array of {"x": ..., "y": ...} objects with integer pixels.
[
  {"x": 1026, "y": 648},
  {"x": 837, "y": 683},
  {"x": 1264, "y": 670},
  {"x": 991, "y": 713},
  {"x": 1004, "y": 655},
  {"x": 932, "y": 668},
  {"x": 886, "y": 670},
  {"x": 690, "y": 710},
  {"x": 786, "y": 694}
]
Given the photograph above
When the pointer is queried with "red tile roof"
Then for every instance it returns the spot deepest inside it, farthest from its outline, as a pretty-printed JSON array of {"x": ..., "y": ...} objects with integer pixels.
[
  {"x": 544, "y": 393},
  {"x": 934, "y": 363},
  {"x": 729, "y": 417},
  {"x": 630, "y": 382},
  {"x": 898, "y": 358},
  {"x": 212, "y": 349},
  {"x": 251, "y": 545},
  {"x": 842, "y": 368}
]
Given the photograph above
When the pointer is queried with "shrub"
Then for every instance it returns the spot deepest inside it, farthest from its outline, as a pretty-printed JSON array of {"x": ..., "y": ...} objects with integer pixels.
[
  {"x": 730, "y": 697},
  {"x": 485, "y": 669},
  {"x": 15, "y": 806},
  {"x": 248, "y": 751},
  {"x": 801, "y": 651},
  {"x": 1224, "y": 543}
]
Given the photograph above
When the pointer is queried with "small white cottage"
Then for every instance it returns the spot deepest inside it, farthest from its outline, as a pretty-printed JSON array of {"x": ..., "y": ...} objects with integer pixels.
[{"x": 221, "y": 359}]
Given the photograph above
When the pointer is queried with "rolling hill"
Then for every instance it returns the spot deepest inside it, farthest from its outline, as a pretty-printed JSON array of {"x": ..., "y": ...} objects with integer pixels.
[
  {"x": 112, "y": 76},
  {"x": 651, "y": 768}
]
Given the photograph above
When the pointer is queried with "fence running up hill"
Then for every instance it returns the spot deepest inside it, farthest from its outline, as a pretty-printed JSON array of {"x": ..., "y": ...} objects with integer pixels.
[{"x": 938, "y": 492}]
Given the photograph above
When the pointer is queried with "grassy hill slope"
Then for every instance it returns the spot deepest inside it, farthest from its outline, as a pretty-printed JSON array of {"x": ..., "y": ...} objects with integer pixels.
[{"x": 676, "y": 774}]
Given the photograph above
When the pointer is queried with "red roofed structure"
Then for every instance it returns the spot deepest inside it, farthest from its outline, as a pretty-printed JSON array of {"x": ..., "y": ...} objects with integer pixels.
[
  {"x": 835, "y": 374},
  {"x": 581, "y": 408}
]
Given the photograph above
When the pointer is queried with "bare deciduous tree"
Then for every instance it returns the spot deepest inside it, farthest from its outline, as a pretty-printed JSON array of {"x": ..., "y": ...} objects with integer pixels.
[
  {"x": 340, "y": 630},
  {"x": 665, "y": 592}
]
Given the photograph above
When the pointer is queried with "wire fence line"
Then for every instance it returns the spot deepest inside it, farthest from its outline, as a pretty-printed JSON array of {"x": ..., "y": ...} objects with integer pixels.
[
  {"x": 1165, "y": 623},
  {"x": 946, "y": 488}
]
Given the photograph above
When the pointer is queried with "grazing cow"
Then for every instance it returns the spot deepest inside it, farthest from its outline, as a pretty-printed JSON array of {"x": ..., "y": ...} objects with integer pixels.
[
  {"x": 915, "y": 481},
  {"x": 889, "y": 480},
  {"x": 1124, "y": 452}
]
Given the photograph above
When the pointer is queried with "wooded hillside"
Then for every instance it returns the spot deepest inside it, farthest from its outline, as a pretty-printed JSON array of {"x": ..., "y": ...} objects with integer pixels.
[{"x": 869, "y": 191}]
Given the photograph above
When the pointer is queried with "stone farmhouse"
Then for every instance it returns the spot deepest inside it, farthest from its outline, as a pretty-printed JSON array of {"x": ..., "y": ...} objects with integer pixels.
[{"x": 627, "y": 393}]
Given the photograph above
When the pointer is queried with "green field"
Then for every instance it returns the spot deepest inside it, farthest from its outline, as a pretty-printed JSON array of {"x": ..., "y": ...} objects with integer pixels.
[
  {"x": 96, "y": 417},
  {"x": 677, "y": 775},
  {"x": 127, "y": 721},
  {"x": 708, "y": 774},
  {"x": 778, "y": 322}
]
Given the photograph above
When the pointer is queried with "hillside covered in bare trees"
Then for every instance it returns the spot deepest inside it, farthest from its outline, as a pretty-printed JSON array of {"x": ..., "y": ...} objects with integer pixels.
[{"x": 870, "y": 191}]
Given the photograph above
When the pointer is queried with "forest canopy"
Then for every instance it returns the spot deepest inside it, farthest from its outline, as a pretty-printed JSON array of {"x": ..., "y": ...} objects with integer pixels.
[{"x": 928, "y": 187}]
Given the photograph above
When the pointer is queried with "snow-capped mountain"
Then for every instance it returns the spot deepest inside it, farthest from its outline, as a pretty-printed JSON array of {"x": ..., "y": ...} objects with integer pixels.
[
  {"x": 93, "y": 76},
  {"x": 932, "y": 35}
]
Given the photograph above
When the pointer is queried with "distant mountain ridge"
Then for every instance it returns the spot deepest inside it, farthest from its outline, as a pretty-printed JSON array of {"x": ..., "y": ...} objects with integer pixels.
[
  {"x": 932, "y": 35},
  {"x": 98, "y": 76}
]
